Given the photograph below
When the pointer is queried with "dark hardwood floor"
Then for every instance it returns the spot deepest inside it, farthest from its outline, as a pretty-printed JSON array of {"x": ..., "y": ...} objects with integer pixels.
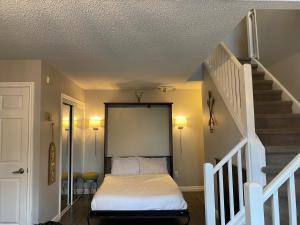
[{"x": 78, "y": 213}]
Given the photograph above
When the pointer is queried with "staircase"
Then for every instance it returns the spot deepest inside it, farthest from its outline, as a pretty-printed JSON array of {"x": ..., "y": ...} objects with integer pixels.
[
  {"x": 262, "y": 110},
  {"x": 279, "y": 130}
]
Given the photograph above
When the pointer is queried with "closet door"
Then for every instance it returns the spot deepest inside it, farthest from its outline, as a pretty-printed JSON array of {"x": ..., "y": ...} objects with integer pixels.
[
  {"x": 77, "y": 152},
  {"x": 66, "y": 184}
]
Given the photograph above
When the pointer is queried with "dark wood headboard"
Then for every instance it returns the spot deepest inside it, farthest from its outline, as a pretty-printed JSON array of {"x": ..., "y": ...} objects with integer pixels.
[{"x": 169, "y": 158}]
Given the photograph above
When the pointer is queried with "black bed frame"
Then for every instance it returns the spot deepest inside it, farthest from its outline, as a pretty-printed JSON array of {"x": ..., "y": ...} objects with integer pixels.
[{"x": 136, "y": 214}]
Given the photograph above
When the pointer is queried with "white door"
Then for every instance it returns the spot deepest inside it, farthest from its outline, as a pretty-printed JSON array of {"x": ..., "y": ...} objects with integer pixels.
[{"x": 14, "y": 148}]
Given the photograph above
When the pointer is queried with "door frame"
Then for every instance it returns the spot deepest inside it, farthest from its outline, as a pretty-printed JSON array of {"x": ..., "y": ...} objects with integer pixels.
[
  {"x": 30, "y": 85},
  {"x": 74, "y": 102}
]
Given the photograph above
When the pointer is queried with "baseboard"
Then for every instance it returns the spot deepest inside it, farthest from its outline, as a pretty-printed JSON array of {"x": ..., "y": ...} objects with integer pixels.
[
  {"x": 59, "y": 215},
  {"x": 191, "y": 188},
  {"x": 56, "y": 218}
]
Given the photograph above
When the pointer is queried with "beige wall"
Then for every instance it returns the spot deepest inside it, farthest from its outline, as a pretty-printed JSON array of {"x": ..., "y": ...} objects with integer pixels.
[
  {"x": 186, "y": 102},
  {"x": 51, "y": 102},
  {"x": 28, "y": 71},
  {"x": 237, "y": 40},
  {"x": 226, "y": 134},
  {"x": 47, "y": 98},
  {"x": 279, "y": 35}
]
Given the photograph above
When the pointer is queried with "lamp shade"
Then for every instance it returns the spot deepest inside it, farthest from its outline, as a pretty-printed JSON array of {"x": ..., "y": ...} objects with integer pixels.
[
  {"x": 180, "y": 122},
  {"x": 66, "y": 122},
  {"x": 95, "y": 122}
]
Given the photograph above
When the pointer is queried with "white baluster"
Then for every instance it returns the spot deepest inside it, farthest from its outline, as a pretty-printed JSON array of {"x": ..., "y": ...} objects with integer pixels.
[
  {"x": 209, "y": 194},
  {"x": 221, "y": 196},
  {"x": 292, "y": 201},
  {"x": 275, "y": 209},
  {"x": 240, "y": 179},
  {"x": 230, "y": 187}
]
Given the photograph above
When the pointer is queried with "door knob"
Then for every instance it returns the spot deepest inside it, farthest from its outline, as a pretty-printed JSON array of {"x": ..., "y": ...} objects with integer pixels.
[{"x": 20, "y": 171}]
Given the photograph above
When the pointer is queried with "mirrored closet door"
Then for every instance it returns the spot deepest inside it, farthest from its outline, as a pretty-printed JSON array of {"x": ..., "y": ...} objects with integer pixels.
[
  {"x": 72, "y": 145},
  {"x": 66, "y": 155}
]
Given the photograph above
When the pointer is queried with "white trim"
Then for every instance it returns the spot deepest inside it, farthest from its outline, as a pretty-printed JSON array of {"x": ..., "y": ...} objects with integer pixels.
[
  {"x": 191, "y": 188},
  {"x": 56, "y": 218},
  {"x": 74, "y": 102},
  {"x": 30, "y": 85}
]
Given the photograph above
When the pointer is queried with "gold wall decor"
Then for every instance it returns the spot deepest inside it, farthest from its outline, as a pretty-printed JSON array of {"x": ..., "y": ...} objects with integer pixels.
[{"x": 52, "y": 159}]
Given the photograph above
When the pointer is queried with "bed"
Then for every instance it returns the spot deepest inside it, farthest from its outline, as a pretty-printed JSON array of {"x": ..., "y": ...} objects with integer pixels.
[{"x": 139, "y": 194}]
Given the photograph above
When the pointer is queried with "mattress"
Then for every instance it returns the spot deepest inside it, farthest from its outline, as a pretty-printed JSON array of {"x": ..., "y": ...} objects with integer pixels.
[{"x": 139, "y": 192}]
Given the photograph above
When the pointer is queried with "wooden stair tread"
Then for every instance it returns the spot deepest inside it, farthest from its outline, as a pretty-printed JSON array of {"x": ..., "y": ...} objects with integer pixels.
[
  {"x": 258, "y": 73},
  {"x": 278, "y": 131},
  {"x": 278, "y": 116},
  {"x": 262, "y": 82},
  {"x": 276, "y": 170},
  {"x": 282, "y": 149},
  {"x": 273, "y": 103},
  {"x": 267, "y": 92}
]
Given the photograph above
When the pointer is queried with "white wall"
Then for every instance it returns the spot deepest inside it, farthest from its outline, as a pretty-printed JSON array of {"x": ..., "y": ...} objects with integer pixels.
[
  {"x": 237, "y": 41},
  {"x": 279, "y": 35},
  {"x": 186, "y": 102},
  {"x": 226, "y": 134},
  {"x": 51, "y": 102}
]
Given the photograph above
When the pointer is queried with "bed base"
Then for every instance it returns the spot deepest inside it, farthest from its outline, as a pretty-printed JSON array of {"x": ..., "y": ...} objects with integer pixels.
[{"x": 157, "y": 214}]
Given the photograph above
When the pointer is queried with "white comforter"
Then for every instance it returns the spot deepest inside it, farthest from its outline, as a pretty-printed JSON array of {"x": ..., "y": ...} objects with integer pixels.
[{"x": 141, "y": 192}]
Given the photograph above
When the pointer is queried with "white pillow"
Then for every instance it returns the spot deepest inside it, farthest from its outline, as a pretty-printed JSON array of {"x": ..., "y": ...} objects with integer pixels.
[
  {"x": 153, "y": 166},
  {"x": 125, "y": 166}
]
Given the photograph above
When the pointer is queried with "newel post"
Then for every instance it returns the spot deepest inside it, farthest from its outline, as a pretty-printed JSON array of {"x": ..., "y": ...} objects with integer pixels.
[
  {"x": 254, "y": 204},
  {"x": 209, "y": 194},
  {"x": 255, "y": 158}
]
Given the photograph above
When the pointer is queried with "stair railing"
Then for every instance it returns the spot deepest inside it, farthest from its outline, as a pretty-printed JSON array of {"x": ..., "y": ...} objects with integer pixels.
[
  {"x": 256, "y": 196},
  {"x": 209, "y": 187},
  {"x": 253, "y": 47},
  {"x": 234, "y": 83}
]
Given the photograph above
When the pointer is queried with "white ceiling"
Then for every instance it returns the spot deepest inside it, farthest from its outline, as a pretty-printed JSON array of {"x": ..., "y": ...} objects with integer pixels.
[{"x": 120, "y": 44}]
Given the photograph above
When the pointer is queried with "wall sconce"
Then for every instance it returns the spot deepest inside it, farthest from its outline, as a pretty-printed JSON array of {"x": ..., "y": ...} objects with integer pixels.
[
  {"x": 95, "y": 123},
  {"x": 180, "y": 122}
]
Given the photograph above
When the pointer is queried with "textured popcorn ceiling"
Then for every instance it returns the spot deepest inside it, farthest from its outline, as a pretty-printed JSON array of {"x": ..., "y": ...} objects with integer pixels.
[{"x": 120, "y": 44}]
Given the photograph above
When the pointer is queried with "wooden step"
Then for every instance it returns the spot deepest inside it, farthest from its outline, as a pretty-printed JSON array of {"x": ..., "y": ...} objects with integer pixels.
[
  {"x": 277, "y": 121},
  {"x": 288, "y": 149},
  {"x": 279, "y": 137},
  {"x": 272, "y": 107},
  {"x": 262, "y": 84},
  {"x": 258, "y": 75},
  {"x": 267, "y": 95},
  {"x": 254, "y": 66},
  {"x": 274, "y": 170},
  {"x": 279, "y": 159}
]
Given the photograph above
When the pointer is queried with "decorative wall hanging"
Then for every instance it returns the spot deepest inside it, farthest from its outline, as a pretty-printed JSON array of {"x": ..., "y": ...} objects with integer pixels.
[
  {"x": 211, "y": 104},
  {"x": 52, "y": 158},
  {"x": 139, "y": 95}
]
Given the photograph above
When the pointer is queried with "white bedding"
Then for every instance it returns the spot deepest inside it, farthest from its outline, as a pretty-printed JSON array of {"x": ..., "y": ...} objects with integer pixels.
[{"x": 140, "y": 192}]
